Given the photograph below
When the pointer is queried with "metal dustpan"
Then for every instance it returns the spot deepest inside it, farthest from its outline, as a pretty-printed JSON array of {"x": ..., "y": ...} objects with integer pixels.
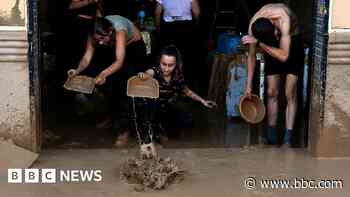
[
  {"x": 145, "y": 88},
  {"x": 80, "y": 83}
]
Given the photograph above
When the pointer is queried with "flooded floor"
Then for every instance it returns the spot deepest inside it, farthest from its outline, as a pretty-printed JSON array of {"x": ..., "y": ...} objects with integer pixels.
[
  {"x": 210, "y": 172},
  {"x": 211, "y": 129}
]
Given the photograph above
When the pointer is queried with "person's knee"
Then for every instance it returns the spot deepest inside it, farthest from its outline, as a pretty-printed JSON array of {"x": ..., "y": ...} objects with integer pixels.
[
  {"x": 291, "y": 96},
  {"x": 272, "y": 93}
]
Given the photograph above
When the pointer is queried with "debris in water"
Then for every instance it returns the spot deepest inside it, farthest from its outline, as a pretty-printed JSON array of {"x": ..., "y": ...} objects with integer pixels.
[{"x": 151, "y": 173}]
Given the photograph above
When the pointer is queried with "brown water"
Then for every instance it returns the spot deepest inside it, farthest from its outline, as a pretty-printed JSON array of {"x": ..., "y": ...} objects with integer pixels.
[{"x": 211, "y": 129}]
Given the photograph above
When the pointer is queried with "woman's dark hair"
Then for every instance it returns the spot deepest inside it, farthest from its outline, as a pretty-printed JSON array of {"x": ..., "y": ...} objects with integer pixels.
[
  {"x": 172, "y": 50},
  {"x": 264, "y": 31},
  {"x": 102, "y": 26}
]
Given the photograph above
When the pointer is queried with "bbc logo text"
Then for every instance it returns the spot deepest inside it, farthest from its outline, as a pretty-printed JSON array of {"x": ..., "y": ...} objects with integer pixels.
[{"x": 51, "y": 175}]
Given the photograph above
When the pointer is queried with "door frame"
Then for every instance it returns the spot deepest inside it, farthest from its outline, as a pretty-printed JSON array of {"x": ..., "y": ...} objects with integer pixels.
[
  {"x": 317, "y": 74},
  {"x": 34, "y": 74}
]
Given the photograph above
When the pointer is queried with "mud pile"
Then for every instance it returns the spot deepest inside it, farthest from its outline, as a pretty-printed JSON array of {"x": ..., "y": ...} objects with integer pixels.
[{"x": 153, "y": 174}]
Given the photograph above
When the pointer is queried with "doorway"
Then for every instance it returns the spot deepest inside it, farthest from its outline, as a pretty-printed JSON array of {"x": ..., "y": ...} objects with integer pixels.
[{"x": 64, "y": 127}]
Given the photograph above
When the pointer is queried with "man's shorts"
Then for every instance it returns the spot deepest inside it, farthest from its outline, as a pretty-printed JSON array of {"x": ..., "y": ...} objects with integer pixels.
[{"x": 295, "y": 63}]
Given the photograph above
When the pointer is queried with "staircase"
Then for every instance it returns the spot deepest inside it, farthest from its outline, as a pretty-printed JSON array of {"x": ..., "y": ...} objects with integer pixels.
[{"x": 13, "y": 46}]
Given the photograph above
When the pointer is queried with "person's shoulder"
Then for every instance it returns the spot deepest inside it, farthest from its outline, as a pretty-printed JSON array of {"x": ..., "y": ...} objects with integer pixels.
[
  {"x": 118, "y": 21},
  {"x": 115, "y": 17}
]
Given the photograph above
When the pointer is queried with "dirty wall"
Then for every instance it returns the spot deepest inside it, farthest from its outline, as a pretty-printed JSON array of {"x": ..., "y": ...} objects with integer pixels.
[
  {"x": 334, "y": 137},
  {"x": 330, "y": 107},
  {"x": 14, "y": 74}
]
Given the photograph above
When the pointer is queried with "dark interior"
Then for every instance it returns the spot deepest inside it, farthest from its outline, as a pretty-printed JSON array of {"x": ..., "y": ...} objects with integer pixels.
[{"x": 69, "y": 123}]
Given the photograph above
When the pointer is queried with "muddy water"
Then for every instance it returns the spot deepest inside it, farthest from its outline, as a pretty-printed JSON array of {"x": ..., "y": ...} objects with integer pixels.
[
  {"x": 212, "y": 172},
  {"x": 211, "y": 129}
]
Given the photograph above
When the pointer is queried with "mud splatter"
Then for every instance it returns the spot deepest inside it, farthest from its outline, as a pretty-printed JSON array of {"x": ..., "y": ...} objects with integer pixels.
[{"x": 154, "y": 174}]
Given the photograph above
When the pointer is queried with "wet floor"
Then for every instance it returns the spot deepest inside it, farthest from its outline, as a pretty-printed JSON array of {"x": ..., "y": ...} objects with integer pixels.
[
  {"x": 210, "y": 172},
  {"x": 211, "y": 129}
]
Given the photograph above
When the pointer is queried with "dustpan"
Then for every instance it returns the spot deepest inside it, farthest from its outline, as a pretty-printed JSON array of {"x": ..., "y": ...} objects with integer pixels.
[
  {"x": 252, "y": 109},
  {"x": 80, "y": 83},
  {"x": 144, "y": 88}
]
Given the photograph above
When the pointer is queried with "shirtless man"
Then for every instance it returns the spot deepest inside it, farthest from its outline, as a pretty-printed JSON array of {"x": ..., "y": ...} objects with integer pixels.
[{"x": 274, "y": 29}]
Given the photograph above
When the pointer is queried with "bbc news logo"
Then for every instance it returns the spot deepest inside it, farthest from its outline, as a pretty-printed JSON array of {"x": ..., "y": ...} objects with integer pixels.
[{"x": 52, "y": 175}]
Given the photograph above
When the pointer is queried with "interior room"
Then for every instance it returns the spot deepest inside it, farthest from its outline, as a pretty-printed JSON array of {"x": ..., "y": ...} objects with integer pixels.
[{"x": 73, "y": 120}]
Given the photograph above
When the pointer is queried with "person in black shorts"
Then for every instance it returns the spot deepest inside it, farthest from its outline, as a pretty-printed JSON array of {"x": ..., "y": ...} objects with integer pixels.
[
  {"x": 274, "y": 29},
  {"x": 293, "y": 65}
]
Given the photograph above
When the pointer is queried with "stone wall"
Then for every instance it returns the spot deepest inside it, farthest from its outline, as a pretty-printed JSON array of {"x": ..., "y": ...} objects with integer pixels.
[
  {"x": 333, "y": 138},
  {"x": 14, "y": 88}
]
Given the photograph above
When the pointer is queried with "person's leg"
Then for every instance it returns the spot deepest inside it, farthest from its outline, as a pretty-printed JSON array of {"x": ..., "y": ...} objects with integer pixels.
[
  {"x": 291, "y": 95},
  {"x": 273, "y": 82}
]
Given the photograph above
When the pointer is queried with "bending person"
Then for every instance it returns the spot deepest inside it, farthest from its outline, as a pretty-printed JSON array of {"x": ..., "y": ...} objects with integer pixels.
[
  {"x": 275, "y": 30},
  {"x": 114, "y": 52}
]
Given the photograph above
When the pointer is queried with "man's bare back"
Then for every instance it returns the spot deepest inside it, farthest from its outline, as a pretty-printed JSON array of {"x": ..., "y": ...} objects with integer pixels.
[{"x": 280, "y": 16}]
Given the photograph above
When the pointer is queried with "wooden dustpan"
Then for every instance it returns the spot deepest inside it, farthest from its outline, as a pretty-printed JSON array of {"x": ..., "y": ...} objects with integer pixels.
[
  {"x": 144, "y": 88},
  {"x": 80, "y": 83}
]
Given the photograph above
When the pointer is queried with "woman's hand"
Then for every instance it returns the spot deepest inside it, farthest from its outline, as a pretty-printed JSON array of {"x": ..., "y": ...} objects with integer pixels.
[
  {"x": 209, "y": 104},
  {"x": 101, "y": 79},
  {"x": 72, "y": 73},
  {"x": 143, "y": 75}
]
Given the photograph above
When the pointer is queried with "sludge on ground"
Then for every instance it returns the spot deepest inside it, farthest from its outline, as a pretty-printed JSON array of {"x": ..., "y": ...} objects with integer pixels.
[{"x": 156, "y": 174}]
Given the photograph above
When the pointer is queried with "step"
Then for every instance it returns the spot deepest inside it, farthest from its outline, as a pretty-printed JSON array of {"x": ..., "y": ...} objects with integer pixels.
[
  {"x": 13, "y": 58},
  {"x": 13, "y": 44},
  {"x": 13, "y": 51},
  {"x": 338, "y": 53},
  {"x": 339, "y": 61},
  {"x": 13, "y": 36}
]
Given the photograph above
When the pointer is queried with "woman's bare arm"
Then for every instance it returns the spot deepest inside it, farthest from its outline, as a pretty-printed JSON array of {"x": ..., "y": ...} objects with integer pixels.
[
  {"x": 196, "y": 11},
  {"x": 120, "y": 46},
  {"x": 188, "y": 92},
  {"x": 194, "y": 96},
  {"x": 158, "y": 14},
  {"x": 85, "y": 60}
]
